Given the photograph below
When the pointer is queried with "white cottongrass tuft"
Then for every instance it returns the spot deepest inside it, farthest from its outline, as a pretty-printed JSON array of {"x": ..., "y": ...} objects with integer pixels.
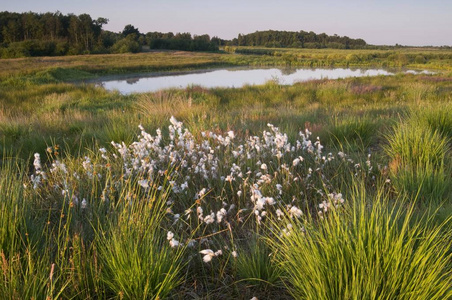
[{"x": 209, "y": 254}]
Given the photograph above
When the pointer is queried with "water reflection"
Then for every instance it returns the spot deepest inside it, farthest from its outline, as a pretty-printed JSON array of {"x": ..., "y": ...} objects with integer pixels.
[
  {"x": 133, "y": 80},
  {"x": 234, "y": 77}
]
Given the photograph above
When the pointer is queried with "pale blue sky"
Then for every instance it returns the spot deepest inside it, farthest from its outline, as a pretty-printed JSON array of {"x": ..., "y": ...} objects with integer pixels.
[{"x": 407, "y": 22}]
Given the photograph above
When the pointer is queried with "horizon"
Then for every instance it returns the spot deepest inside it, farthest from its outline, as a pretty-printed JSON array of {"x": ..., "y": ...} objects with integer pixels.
[{"x": 408, "y": 23}]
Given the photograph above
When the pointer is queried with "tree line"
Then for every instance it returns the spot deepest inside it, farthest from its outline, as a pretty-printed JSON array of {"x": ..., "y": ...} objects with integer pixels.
[
  {"x": 51, "y": 34},
  {"x": 300, "y": 39},
  {"x": 33, "y": 34}
]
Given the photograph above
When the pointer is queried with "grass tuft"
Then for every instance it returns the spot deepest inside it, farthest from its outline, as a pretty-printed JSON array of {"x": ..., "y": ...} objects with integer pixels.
[
  {"x": 369, "y": 249},
  {"x": 419, "y": 162}
]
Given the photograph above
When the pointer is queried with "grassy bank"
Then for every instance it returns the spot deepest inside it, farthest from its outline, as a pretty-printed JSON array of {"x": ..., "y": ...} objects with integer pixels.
[
  {"x": 435, "y": 59},
  {"x": 353, "y": 113},
  {"x": 324, "y": 189},
  {"x": 430, "y": 58}
]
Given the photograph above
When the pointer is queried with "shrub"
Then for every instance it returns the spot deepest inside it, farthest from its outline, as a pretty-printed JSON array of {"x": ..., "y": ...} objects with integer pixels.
[
  {"x": 420, "y": 59},
  {"x": 126, "y": 45}
]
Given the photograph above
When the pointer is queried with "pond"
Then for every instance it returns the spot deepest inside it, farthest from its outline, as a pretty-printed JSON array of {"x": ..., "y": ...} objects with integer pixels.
[{"x": 228, "y": 77}]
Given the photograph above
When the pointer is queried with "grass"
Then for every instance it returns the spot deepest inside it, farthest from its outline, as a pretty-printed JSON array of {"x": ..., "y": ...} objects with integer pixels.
[
  {"x": 419, "y": 161},
  {"x": 353, "y": 134},
  {"x": 137, "y": 261},
  {"x": 369, "y": 249},
  {"x": 52, "y": 248},
  {"x": 433, "y": 58},
  {"x": 78, "y": 115},
  {"x": 98, "y": 220},
  {"x": 438, "y": 117},
  {"x": 255, "y": 265}
]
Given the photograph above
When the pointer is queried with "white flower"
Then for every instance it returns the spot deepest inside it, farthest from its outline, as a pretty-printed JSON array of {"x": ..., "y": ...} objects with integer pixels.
[
  {"x": 208, "y": 255},
  {"x": 297, "y": 160},
  {"x": 199, "y": 211},
  {"x": 264, "y": 167},
  {"x": 260, "y": 202},
  {"x": 174, "y": 243},
  {"x": 210, "y": 218},
  {"x": 295, "y": 212},
  {"x": 221, "y": 214},
  {"x": 84, "y": 203},
  {"x": 270, "y": 200},
  {"x": 201, "y": 193},
  {"x": 37, "y": 162},
  {"x": 169, "y": 235},
  {"x": 184, "y": 186},
  {"x": 234, "y": 253},
  {"x": 229, "y": 178},
  {"x": 324, "y": 205},
  {"x": 143, "y": 183}
]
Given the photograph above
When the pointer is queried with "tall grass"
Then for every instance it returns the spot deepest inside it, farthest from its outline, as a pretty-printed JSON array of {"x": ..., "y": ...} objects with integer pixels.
[
  {"x": 353, "y": 134},
  {"x": 54, "y": 245},
  {"x": 370, "y": 249},
  {"x": 437, "y": 116},
  {"x": 255, "y": 265},
  {"x": 26, "y": 271},
  {"x": 419, "y": 161},
  {"x": 93, "y": 230},
  {"x": 138, "y": 262}
]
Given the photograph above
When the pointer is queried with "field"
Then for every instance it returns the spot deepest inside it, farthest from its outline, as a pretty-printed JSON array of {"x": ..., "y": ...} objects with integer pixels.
[{"x": 327, "y": 189}]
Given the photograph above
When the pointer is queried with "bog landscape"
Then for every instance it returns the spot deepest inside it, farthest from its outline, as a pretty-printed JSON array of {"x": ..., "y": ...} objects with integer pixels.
[{"x": 275, "y": 165}]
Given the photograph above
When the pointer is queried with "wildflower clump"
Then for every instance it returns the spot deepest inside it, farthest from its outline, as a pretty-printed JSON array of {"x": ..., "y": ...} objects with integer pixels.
[{"x": 215, "y": 189}]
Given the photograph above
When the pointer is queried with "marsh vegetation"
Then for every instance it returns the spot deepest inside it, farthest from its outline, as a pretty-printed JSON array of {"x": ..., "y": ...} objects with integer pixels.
[{"x": 324, "y": 189}]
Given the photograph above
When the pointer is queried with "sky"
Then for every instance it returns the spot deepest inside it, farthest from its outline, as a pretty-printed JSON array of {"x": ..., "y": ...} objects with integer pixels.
[{"x": 378, "y": 22}]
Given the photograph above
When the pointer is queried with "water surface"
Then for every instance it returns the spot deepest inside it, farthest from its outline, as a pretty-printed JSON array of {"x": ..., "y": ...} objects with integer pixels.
[{"x": 231, "y": 77}]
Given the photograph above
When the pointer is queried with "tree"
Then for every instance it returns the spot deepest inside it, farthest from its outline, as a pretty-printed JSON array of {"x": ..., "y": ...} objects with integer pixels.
[
  {"x": 130, "y": 29},
  {"x": 11, "y": 32}
]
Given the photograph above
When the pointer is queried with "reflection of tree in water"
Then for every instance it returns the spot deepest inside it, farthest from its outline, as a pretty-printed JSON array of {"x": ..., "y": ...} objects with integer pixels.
[
  {"x": 288, "y": 71},
  {"x": 132, "y": 80}
]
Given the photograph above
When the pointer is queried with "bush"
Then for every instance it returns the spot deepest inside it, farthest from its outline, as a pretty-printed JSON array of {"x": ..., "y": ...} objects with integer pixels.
[
  {"x": 420, "y": 59},
  {"x": 126, "y": 45},
  {"x": 15, "y": 50}
]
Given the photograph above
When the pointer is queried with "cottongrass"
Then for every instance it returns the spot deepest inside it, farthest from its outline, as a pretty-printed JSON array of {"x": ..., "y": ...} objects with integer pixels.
[{"x": 129, "y": 220}]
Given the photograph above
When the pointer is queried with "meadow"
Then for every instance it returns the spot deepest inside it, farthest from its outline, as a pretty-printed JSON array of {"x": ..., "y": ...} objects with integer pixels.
[{"x": 327, "y": 189}]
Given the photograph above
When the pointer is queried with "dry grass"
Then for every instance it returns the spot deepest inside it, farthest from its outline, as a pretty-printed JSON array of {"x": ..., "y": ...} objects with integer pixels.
[{"x": 108, "y": 63}]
